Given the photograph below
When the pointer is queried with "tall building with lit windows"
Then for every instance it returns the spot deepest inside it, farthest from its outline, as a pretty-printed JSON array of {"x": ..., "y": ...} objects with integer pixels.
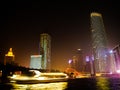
[
  {"x": 45, "y": 50},
  {"x": 99, "y": 43}
]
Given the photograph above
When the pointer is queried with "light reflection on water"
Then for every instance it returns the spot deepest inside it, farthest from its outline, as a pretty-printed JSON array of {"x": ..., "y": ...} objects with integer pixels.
[
  {"x": 102, "y": 83},
  {"x": 98, "y": 83},
  {"x": 41, "y": 86}
]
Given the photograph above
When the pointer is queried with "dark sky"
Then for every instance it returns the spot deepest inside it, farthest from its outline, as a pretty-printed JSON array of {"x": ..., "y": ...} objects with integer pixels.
[{"x": 68, "y": 23}]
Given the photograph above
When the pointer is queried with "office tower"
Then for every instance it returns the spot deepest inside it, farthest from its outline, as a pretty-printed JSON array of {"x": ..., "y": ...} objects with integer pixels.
[
  {"x": 9, "y": 57},
  {"x": 116, "y": 52},
  {"x": 45, "y": 50},
  {"x": 99, "y": 43},
  {"x": 35, "y": 61},
  {"x": 80, "y": 64},
  {"x": 112, "y": 62},
  {"x": 77, "y": 62},
  {"x": 74, "y": 62}
]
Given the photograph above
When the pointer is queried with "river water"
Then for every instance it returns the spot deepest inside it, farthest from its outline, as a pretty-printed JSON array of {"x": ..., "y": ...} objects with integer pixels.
[{"x": 100, "y": 83}]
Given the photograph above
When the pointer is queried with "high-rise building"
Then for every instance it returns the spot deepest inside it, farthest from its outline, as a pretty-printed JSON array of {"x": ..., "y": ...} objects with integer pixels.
[
  {"x": 99, "y": 43},
  {"x": 45, "y": 50},
  {"x": 77, "y": 62},
  {"x": 9, "y": 57},
  {"x": 35, "y": 61},
  {"x": 116, "y": 52}
]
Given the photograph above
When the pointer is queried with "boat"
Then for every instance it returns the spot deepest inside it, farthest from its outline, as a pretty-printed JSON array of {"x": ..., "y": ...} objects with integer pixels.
[{"x": 39, "y": 77}]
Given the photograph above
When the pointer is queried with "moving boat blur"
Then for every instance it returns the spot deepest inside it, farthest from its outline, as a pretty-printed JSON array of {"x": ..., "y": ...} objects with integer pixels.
[{"x": 39, "y": 77}]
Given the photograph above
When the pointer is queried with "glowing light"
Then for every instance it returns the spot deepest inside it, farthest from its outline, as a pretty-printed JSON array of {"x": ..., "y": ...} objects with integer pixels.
[
  {"x": 41, "y": 86},
  {"x": 70, "y": 61},
  {"x": 95, "y": 14},
  {"x": 10, "y": 53},
  {"x": 102, "y": 83},
  {"x": 41, "y": 76},
  {"x": 87, "y": 59},
  {"x": 118, "y": 71},
  {"x": 111, "y": 51},
  {"x": 36, "y": 56},
  {"x": 78, "y": 49}
]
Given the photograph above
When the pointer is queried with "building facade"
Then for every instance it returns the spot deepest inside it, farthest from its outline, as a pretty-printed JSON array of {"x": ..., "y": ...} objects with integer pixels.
[
  {"x": 77, "y": 62},
  {"x": 35, "y": 61},
  {"x": 9, "y": 57},
  {"x": 99, "y": 43},
  {"x": 45, "y": 50},
  {"x": 116, "y": 52}
]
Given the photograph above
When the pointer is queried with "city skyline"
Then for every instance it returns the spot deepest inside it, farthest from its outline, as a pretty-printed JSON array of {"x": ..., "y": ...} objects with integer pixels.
[{"x": 68, "y": 24}]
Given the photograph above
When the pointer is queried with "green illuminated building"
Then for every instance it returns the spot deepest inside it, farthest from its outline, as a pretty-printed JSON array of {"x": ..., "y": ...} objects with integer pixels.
[
  {"x": 99, "y": 43},
  {"x": 45, "y": 50}
]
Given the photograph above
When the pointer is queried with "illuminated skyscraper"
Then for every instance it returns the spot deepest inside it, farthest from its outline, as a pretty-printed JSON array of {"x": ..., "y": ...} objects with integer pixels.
[
  {"x": 116, "y": 52},
  {"x": 45, "y": 50},
  {"x": 99, "y": 43},
  {"x": 9, "y": 57}
]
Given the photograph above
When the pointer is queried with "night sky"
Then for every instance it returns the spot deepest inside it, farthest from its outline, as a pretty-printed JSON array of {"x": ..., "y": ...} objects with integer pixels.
[{"x": 68, "y": 23}]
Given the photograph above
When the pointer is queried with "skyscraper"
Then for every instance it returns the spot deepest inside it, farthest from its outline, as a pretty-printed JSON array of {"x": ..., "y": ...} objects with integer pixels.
[
  {"x": 116, "y": 52},
  {"x": 99, "y": 43},
  {"x": 9, "y": 57},
  {"x": 45, "y": 50}
]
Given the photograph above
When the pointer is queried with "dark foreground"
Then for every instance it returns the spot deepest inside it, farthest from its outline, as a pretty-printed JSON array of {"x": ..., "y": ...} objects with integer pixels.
[{"x": 100, "y": 83}]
